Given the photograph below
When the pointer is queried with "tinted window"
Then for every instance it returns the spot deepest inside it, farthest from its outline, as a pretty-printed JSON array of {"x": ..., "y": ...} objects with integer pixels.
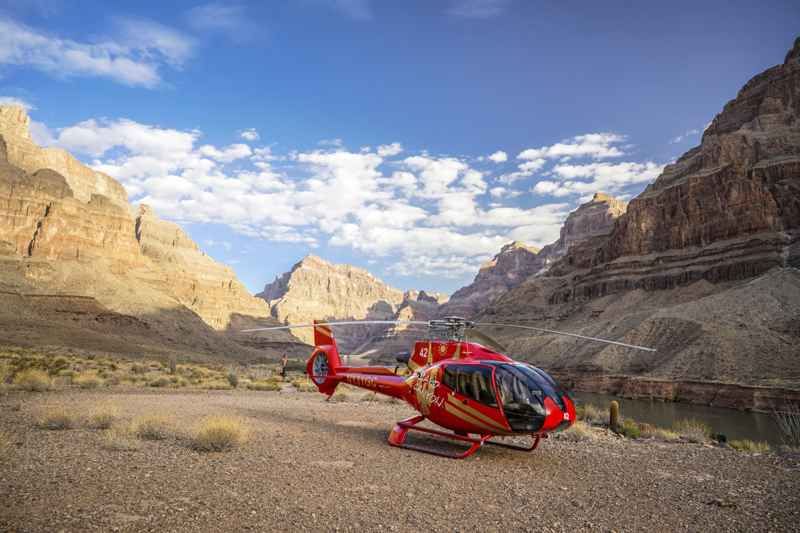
[
  {"x": 521, "y": 397},
  {"x": 472, "y": 381}
]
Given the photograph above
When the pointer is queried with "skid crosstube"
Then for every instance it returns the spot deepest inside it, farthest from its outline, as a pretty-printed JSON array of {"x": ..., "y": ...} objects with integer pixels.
[{"x": 400, "y": 431}]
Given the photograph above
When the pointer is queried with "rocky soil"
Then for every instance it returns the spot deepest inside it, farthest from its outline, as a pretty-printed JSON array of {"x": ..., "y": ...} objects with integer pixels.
[{"x": 312, "y": 465}]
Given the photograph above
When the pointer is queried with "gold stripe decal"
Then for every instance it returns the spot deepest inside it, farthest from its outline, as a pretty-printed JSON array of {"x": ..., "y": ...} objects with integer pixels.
[
  {"x": 450, "y": 408},
  {"x": 477, "y": 414}
]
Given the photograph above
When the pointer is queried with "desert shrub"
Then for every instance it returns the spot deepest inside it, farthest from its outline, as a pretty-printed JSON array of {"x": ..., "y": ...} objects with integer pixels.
[
  {"x": 369, "y": 397},
  {"x": 264, "y": 386},
  {"x": 214, "y": 385},
  {"x": 66, "y": 373},
  {"x": 55, "y": 418},
  {"x": 339, "y": 396},
  {"x": 652, "y": 432},
  {"x": 152, "y": 427},
  {"x": 303, "y": 384},
  {"x": 219, "y": 433},
  {"x": 119, "y": 439},
  {"x": 173, "y": 365},
  {"x": 692, "y": 430},
  {"x": 102, "y": 417},
  {"x": 159, "y": 382},
  {"x": 233, "y": 379},
  {"x": 57, "y": 365},
  {"x": 630, "y": 429},
  {"x": 579, "y": 432},
  {"x": 87, "y": 381},
  {"x": 789, "y": 425},
  {"x": 138, "y": 369},
  {"x": 747, "y": 445},
  {"x": 32, "y": 380},
  {"x": 591, "y": 414}
]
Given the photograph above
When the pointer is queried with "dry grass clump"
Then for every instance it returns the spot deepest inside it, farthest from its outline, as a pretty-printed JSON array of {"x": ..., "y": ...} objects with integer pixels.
[
  {"x": 746, "y": 445},
  {"x": 304, "y": 385},
  {"x": 579, "y": 432},
  {"x": 102, "y": 417},
  {"x": 264, "y": 386},
  {"x": 652, "y": 432},
  {"x": 789, "y": 424},
  {"x": 159, "y": 382},
  {"x": 87, "y": 381},
  {"x": 56, "y": 418},
  {"x": 339, "y": 397},
  {"x": 214, "y": 385},
  {"x": 33, "y": 380},
  {"x": 630, "y": 429},
  {"x": 369, "y": 397},
  {"x": 152, "y": 427},
  {"x": 219, "y": 434},
  {"x": 591, "y": 414},
  {"x": 693, "y": 430},
  {"x": 120, "y": 439}
]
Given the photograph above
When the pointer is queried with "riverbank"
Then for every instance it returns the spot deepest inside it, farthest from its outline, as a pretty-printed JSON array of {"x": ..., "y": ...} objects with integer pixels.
[
  {"x": 311, "y": 464},
  {"x": 716, "y": 394}
]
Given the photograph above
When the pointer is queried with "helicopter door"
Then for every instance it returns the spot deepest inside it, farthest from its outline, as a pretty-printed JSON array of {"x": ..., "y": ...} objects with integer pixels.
[{"x": 472, "y": 381}]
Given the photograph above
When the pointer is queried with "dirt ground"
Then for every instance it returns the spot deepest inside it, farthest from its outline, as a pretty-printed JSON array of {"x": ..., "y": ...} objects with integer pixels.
[{"x": 312, "y": 465}]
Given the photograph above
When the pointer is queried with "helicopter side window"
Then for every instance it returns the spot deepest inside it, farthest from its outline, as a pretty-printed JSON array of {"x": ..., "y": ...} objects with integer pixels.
[{"x": 472, "y": 381}]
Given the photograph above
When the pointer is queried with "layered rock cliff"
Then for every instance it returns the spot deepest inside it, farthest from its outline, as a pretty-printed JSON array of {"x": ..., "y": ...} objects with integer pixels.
[
  {"x": 517, "y": 262},
  {"x": 700, "y": 266},
  {"x": 63, "y": 237},
  {"x": 315, "y": 289}
]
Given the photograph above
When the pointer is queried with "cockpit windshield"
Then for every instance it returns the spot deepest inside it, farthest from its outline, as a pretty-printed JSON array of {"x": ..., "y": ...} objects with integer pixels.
[{"x": 522, "y": 389}]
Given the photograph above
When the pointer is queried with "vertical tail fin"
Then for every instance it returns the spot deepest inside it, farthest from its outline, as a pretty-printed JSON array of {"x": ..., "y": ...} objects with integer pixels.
[{"x": 324, "y": 361}]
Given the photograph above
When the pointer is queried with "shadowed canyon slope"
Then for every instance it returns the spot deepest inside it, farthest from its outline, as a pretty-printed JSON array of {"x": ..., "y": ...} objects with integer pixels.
[
  {"x": 80, "y": 269},
  {"x": 702, "y": 266}
]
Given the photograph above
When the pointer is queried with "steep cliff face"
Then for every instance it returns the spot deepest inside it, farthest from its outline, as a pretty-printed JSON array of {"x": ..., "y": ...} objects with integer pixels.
[
  {"x": 517, "y": 262},
  {"x": 58, "y": 242},
  {"x": 315, "y": 289},
  {"x": 700, "y": 265}
]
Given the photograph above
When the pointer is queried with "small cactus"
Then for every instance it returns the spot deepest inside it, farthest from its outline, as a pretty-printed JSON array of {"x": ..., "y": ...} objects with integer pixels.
[
  {"x": 233, "y": 379},
  {"x": 173, "y": 365},
  {"x": 613, "y": 416}
]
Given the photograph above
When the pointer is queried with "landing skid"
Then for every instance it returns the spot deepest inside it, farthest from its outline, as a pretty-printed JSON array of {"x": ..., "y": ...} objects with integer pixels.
[{"x": 398, "y": 438}]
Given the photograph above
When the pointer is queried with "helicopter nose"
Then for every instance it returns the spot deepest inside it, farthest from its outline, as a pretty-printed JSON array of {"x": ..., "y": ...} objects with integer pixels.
[{"x": 554, "y": 415}]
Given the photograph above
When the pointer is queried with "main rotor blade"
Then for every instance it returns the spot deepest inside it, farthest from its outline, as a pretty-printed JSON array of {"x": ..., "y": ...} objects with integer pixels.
[
  {"x": 634, "y": 346},
  {"x": 334, "y": 323},
  {"x": 484, "y": 339}
]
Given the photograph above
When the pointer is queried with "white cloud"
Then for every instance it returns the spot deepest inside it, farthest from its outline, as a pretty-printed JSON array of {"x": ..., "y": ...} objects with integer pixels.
[
  {"x": 423, "y": 214},
  {"x": 389, "y": 150},
  {"x": 595, "y": 145},
  {"x": 250, "y": 134},
  {"x": 227, "y": 154},
  {"x": 13, "y": 100},
  {"x": 499, "y": 157},
  {"x": 134, "y": 59},
  {"x": 230, "y": 19},
  {"x": 477, "y": 9},
  {"x": 608, "y": 177},
  {"x": 525, "y": 170}
]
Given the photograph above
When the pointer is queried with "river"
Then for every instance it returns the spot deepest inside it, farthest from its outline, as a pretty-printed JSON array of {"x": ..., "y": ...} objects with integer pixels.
[{"x": 730, "y": 422}]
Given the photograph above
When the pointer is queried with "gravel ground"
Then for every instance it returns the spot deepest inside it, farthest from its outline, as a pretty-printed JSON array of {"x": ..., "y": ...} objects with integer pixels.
[{"x": 312, "y": 465}]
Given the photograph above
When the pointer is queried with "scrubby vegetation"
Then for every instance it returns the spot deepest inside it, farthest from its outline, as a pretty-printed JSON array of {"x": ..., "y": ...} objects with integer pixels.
[
  {"x": 233, "y": 379},
  {"x": 219, "y": 433},
  {"x": 789, "y": 424},
  {"x": 303, "y": 384},
  {"x": 119, "y": 439},
  {"x": 693, "y": 430},
  {"x": 264, "y": 385},
  {"x": 32, "y": 380},
  {"x": 579, "y": 432},
  {"x": 102, "y": 417},
  {"x": 339, "y": 396},
  {"x": 87, "y": 381},
  {"x": 56, "y": 418},
  {"x": 747, "y": 445},
  {"x": 154, "y": 427},
  {"x": 591, "y": 414}
]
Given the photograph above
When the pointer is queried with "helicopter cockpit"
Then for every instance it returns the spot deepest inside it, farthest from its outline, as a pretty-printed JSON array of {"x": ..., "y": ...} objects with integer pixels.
[{"x": 519, "y": 389}]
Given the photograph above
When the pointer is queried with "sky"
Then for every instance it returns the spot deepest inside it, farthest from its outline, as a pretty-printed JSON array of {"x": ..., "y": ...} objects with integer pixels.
[{"x": 411, "y": 138}]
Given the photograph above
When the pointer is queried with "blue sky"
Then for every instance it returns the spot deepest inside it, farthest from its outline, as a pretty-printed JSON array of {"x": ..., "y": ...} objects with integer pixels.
[{"x": 409, "y": 138}]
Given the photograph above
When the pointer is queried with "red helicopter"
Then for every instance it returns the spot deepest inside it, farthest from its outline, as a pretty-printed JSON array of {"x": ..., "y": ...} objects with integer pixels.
[{"x": 459, "y": 380}]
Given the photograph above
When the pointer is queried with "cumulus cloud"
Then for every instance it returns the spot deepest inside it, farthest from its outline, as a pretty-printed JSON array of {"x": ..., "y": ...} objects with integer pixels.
[
  {"x": 250, "y": 134},
  {"x": 389, "y": 150},
  {"x": 594, "y": 145},
  {"x": 499, "y": 157},
  {"x": 134, "y": 58},
  {"x": 593, "y": 177}
]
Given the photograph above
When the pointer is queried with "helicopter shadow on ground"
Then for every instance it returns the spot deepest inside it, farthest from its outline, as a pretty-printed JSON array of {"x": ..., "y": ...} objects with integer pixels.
[{"x": 366, "y": 433}]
